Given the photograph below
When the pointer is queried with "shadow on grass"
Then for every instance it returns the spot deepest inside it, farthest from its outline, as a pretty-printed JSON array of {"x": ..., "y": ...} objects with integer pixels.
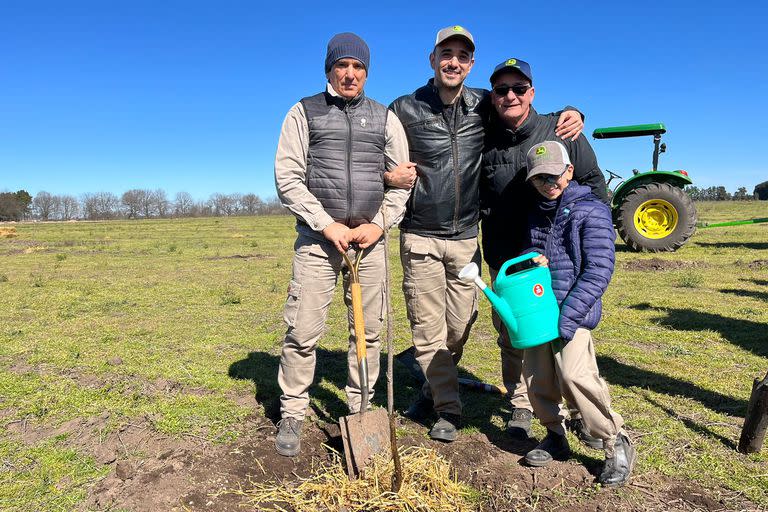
[
  {"x": 700, "y": 429},
  {"x": 747, "y": 293},
  {"x": 261, "y": 369},
  {"x": 746, "y": 334},
  {"x": 759, "y": 246},
  {"x": 627, "y": 376},
  {"x": 759, "y": 282}
]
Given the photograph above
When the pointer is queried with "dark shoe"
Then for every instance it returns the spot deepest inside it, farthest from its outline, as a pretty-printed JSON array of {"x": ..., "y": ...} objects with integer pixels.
[
  {"x": 617, "y": 469},
  {"x": 421, "y": 409},
  {"x": 519, "y": 425},
  {"x": 552, "y": 447},
  {"x": 446, "y": 428},
  {"x": 582, "y": 434},
  {"x": 288, "y": 440}
]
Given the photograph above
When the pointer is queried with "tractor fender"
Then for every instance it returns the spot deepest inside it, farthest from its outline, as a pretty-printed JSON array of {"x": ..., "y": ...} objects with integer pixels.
[{"x": 672, "y": 177}]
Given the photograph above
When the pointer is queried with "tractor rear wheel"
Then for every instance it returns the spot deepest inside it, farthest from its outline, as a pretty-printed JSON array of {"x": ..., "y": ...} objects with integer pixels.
[{"x": 656, "y": 217}]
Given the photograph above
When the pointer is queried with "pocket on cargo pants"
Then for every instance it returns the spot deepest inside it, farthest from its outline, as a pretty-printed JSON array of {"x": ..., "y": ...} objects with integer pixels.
[{"x": 291, "y": 309}]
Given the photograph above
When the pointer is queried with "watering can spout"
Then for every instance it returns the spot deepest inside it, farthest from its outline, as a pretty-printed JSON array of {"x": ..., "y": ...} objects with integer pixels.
[{"x": 471, "y": 272}]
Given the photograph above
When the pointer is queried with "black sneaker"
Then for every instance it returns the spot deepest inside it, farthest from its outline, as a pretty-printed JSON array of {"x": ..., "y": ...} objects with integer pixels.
[
  {"x": 552, "y": 447},
  {"x": 288, "y": 440},
  {"x": 446, "y": 428},
  {"x": 579, "y": 429},
  {"x": 519, "y": 424},
  {"x": 617, "y": 469},
  {"x": 421, "y": 409}
]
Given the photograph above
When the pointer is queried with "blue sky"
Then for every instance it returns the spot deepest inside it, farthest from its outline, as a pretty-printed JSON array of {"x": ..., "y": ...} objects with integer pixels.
[{"x": 108, "y": 96}]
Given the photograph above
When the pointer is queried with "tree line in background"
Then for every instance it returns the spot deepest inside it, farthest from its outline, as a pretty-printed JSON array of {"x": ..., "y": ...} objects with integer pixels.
[
  {"x": 133, "y": 204},
  {"x": 153, "y": 204}
]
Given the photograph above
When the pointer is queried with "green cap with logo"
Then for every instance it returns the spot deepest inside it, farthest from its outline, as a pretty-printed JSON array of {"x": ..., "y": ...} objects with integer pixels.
[
  {"x": 455, "y": 31},
  {"x": 548, "y": 157}
]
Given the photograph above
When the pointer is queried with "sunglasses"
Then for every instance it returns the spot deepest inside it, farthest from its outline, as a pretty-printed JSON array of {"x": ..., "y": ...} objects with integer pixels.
[
  {"x": 518, "y": 89},
  {"x": 549, "y": 179}
]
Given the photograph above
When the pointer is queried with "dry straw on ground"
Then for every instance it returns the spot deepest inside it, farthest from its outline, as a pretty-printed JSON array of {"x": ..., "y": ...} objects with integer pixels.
[
  {"x": 429, "y": 485},
  {"x": 8, "y": 232}
]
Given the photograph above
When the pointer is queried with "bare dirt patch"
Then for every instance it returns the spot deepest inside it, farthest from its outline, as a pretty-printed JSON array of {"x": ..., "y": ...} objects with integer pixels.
[
  {"x": 658, "y": 264},
  {"x": 758, "y": 264},
  {"x": 242, "y": 257},
  {"x": 153, "y": 472}
]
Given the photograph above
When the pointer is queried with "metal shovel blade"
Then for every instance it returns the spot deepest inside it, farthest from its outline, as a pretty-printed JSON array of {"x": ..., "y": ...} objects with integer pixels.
[{"x": 364, "y": 435}]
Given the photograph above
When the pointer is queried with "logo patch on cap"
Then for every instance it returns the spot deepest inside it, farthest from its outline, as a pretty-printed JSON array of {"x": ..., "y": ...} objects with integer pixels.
[
  {"x": 458, "y": 28},
  {"x": 541, "y": 150},
  {"x": 512, "y": 62}
]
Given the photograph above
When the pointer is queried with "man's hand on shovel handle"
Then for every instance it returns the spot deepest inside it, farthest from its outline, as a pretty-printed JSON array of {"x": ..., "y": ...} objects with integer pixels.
[
  {"x": 365, "y": 235},
  {"x": 338, "y": 234}
]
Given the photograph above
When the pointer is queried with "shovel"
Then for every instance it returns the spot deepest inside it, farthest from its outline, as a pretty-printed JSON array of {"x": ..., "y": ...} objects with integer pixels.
[{"x": 366, "y": 433}]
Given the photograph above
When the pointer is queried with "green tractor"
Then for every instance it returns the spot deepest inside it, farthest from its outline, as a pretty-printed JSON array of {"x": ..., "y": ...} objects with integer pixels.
[{"x": 651, "y": 211}]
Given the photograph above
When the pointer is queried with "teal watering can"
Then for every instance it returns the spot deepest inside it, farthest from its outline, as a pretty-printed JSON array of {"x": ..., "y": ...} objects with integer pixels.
[{"x": 523, "y": 298}]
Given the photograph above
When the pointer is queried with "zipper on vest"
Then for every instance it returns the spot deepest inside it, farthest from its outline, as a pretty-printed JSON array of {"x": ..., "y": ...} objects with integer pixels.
[{"x": 349, "y": 165}]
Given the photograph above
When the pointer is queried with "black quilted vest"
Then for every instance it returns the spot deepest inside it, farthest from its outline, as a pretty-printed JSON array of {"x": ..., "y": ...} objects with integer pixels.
[{"x": 345, "y": 163}]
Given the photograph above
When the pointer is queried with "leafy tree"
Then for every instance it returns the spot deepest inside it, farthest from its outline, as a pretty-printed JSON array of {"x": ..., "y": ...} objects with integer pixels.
[{"x": 14, "y": 205}]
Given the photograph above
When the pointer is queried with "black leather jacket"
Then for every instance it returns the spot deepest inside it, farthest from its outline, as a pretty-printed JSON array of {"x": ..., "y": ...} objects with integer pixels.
[
  {"x": 505, "y": 196},
  {"x": 447, "y": 154}
]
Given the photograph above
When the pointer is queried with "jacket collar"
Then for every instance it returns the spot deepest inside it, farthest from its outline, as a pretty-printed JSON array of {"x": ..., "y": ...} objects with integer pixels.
[
  {"x": 524, "y": 130},
  {"x": 573, "y": 193},
  {"x": 334, "y": 98},
  {"x": 467, "y": 99}
]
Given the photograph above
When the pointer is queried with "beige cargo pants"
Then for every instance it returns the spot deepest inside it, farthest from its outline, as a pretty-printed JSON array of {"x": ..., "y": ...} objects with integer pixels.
[
  {"x": 316, "y": 267},
  {"x": 511, "y": 362},
  {"x": 441, "y": 309},
  {"x": 558, "y": 370}
]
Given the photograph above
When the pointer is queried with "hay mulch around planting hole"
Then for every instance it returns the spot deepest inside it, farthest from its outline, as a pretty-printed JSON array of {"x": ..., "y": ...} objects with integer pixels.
[{"x": 429, "y": 484}]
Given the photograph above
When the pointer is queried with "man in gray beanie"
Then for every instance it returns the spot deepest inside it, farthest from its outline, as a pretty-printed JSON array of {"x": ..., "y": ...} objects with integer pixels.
[{"x": 333, "y": 151}]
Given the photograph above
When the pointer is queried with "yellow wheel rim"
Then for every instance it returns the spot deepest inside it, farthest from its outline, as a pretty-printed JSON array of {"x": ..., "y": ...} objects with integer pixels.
[{"x": 656, "y": 219}]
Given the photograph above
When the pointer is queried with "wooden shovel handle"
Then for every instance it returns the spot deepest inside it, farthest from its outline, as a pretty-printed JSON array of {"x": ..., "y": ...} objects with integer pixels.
[{"x": 357, "y": 315}]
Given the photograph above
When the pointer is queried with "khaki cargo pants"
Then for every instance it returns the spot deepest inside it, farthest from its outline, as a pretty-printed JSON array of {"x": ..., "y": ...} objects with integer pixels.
[
  {"x": 558, "y": 370},
  {"x": 441, "y": 309},
  {"x": 511, "y": 362},
  {"x": 316, "y": 267}
]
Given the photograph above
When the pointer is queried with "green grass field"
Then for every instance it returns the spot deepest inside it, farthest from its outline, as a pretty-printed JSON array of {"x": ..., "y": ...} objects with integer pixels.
[{"x": 93, "y": 314}]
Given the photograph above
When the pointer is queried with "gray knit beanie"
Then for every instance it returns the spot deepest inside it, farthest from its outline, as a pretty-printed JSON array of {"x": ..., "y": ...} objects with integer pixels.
[{"x": 345, "y": 45}]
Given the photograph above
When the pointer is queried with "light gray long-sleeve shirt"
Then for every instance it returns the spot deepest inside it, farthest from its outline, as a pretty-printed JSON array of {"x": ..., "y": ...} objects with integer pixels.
[{"x": 291, "y": 171}]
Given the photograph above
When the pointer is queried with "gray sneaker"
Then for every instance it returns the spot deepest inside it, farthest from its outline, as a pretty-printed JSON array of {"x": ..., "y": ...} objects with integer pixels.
[
  {"x": 519, "y": 424},
  {"x": 288, "y": 440}
]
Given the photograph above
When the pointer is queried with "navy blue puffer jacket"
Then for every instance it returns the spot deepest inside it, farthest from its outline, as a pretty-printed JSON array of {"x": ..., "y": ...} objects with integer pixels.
[{"x": 578, "y": 239}]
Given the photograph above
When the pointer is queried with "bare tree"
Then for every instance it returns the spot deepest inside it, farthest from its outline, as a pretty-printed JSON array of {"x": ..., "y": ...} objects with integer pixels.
[
  {"x": 101, "y": 205},
  {"x": 69, "y": 207},
  {"x": 161, "y": 203},
  {"x": 43, "y": 205},
  {"x": 222, "y": 204},
  {"x": 182, "y": 204},
  {"x": 132, "y": 202},
  {"x": 251, "y": 204}
]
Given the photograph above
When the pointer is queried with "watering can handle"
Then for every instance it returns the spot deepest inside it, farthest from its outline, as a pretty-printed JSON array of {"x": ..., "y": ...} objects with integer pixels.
[{"x": 525, "y": 257}]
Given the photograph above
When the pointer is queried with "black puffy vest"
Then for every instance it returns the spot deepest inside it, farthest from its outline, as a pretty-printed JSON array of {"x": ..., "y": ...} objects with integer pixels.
[
  {"x": 345, "y": 163},
  {"x": 505, "y": 195},
  {"x": 445, "y": 200}
]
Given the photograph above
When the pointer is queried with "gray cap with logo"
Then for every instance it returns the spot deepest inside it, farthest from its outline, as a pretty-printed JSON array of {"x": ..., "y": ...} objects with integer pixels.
[
  {"x": 548, "y": 157},
  {"x": 455, "y": 31}
]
